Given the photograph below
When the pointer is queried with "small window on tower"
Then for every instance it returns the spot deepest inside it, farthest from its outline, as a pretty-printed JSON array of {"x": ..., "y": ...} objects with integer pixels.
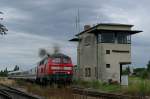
[
  {"x": 87, "y": 72},
  {"x": 107, "y": 51},
  {"x": 107, "y": 65}
]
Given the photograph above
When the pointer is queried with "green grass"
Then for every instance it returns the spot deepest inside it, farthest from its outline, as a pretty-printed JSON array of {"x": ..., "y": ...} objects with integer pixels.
[
  {"x": 137, "y": 86},
  {"x": 98, "y": 85},
  {"x": 110, "y": 88}
]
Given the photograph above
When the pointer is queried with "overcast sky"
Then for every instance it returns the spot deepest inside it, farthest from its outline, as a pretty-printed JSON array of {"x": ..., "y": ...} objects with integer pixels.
[{"x": 35, "y": 24}]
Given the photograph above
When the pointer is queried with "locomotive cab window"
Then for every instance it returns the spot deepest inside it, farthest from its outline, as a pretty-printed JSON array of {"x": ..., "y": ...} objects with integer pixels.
[
  {"x": 56, "y": 60},
  {"x": 66, "y": 60}
]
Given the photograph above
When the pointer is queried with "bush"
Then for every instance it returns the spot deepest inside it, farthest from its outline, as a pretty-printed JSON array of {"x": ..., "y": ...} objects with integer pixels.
[
  {"x": 96, "y": 84},
  {"x": 144, "y": 75}
]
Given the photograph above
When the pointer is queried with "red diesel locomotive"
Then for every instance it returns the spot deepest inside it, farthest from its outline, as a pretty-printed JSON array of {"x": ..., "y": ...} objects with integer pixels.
[{"x": 55, "y": 68}]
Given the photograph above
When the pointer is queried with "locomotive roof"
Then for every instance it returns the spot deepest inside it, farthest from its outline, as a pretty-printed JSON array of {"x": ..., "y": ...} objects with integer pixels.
[{"x": 56, "y": 55}]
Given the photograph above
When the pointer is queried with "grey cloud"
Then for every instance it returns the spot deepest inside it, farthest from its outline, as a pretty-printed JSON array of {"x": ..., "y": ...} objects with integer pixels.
[
  {"x": 51, "y": 15},
  {"x": 34, "y": 24}
]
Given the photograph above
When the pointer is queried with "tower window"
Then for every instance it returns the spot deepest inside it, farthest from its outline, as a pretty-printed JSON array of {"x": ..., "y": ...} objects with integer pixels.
[
  {"x": 107, "y": 65},
  {"x": 107, "y": 38},
  {"x": 110, "y": 37},
  {"x": 87, "y": 72},
  {"x": 107, "y": 51},
  {"x": 123, "y": 38}
]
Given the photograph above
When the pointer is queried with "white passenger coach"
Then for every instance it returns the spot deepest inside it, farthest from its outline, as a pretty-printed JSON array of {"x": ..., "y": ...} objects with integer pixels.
[{"x": 27, "y": 75}]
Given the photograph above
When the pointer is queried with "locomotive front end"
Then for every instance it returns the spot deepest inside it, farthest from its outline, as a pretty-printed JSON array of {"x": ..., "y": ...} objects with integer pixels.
[{"x": 61, "y": 68}]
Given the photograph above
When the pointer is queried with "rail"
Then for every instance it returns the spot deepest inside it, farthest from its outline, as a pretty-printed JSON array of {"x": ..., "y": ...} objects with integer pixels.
[
  {"x": 7, "y": 92},
  {"x": 80, "y": 93}
]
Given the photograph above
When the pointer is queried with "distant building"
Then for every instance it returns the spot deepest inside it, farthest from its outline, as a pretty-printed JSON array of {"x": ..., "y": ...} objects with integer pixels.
[{"x": 103, "y": 50}]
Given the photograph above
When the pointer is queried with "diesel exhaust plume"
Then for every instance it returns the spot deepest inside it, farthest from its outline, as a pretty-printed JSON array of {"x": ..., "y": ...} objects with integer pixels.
[
  {"x": 42, "y": 52},
  {"x": 56, "y": 49}
]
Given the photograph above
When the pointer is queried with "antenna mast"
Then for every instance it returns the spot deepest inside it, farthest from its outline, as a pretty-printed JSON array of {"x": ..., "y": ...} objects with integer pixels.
[{"x": 78, "y": 21}]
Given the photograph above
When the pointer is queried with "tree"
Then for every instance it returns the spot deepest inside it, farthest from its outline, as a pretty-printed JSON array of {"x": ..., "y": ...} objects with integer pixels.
[
  {"x": 5, "y": 70},
  {"x": 148, "y": 66},
  {"x": 126, "y": 71},
  {"x": 4, "y": 73},
  {"x": 16, "y": 68},
  {"x": 145, "y": 74},
  {"x": 3, "y": 29},
  {"x": 139, "y": 71}
]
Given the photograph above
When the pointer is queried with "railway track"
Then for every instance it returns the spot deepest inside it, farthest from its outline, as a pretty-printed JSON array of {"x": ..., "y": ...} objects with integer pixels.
[
  {"x": 7, "y": 92},
  {"x": 81, "y": 93}
]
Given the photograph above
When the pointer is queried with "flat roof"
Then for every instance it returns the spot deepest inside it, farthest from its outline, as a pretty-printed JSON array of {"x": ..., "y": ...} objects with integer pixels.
[
  {"x": 74, "y": 39},
  {"x": 116, "y": 31},
  {"x": 116, "y": 24},
  {"x": 94, "y": 29}
]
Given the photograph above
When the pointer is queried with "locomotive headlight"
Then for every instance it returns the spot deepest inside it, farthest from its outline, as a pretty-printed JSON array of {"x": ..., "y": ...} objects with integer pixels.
[
  {"x": 68, "y": 72},
  {"x": 55, "y": 68},
  {"x": 67, "y": 68}
]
